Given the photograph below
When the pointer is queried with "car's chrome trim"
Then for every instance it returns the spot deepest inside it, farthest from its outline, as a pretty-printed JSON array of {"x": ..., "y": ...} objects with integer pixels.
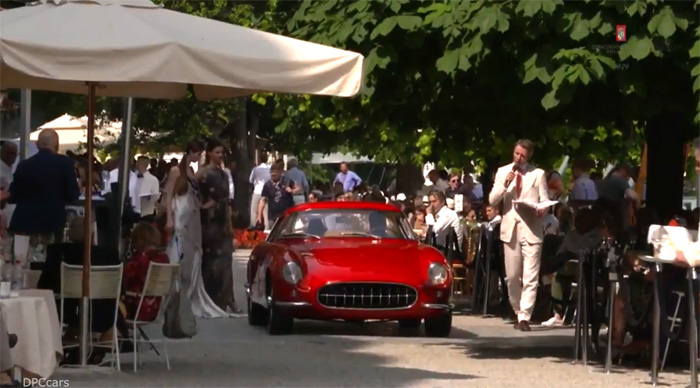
[
  {"x": 368, "y": 309},
  {"x": 437, "y": 306},
  {"x": 292, "y": 304}
]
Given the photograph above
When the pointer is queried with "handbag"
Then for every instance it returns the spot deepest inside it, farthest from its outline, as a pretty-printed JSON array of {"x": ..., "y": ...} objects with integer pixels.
[{"x": 179, "y": 321}]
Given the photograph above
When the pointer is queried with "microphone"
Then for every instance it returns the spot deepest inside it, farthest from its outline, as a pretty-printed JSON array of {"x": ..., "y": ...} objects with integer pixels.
[{"x": 515, "y": 169}]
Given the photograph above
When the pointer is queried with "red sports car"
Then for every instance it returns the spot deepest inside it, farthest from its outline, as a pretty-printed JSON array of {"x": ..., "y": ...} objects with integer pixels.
[{"x": 351, "y": 261}]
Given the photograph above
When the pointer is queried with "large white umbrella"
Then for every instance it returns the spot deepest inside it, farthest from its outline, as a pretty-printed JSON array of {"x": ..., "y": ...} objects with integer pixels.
[{"x": 134, "y": 48}]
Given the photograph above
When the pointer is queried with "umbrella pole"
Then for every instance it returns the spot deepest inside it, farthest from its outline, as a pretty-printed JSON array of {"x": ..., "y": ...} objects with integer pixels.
[{"x": 87, "y": 241}]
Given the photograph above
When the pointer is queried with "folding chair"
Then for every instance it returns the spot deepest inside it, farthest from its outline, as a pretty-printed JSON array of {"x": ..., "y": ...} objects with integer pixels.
[
  {"x": 105, "y": 283},
  {"x": 159, "y": 283}
]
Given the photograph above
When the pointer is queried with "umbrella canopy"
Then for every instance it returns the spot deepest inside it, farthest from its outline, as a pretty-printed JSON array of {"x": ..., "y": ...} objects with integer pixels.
[{"x": 138, "y": 49}]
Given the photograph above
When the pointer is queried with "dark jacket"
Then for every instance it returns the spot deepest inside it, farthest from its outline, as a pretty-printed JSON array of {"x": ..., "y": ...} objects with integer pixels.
[{"x": 42, "y": 187}]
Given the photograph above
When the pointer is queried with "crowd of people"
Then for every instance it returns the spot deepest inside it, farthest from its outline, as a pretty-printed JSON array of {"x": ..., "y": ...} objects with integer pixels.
[{"x": 184, "y": 216}]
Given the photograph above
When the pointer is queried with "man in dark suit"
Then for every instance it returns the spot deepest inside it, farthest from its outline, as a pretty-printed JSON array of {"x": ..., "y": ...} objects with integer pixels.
[{"x": 42, "y": 187}]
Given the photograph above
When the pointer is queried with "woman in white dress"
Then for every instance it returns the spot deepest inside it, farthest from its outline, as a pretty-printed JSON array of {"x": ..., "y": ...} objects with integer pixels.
[{"x": 185, "y": 228}]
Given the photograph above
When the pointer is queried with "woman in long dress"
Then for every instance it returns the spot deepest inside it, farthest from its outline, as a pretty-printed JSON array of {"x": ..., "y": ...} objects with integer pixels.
[
  {"x": 217, "y": 241},
  {"x": 185, "y": 228}
]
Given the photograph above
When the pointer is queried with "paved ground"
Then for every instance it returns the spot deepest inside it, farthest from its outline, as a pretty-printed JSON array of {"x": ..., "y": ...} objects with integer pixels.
[{"x": 480, "y": 353}]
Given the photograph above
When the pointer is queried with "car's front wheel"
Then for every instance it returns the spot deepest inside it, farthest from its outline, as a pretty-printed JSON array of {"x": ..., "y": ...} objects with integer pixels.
[
  {"x": 439, "y": 326},
  {"x": 278, "y": 323},
  {"x": 257, "y": 316}
]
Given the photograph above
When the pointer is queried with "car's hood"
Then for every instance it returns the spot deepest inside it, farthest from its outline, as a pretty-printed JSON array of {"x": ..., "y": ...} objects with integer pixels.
[{"x": 362, "y": 260}]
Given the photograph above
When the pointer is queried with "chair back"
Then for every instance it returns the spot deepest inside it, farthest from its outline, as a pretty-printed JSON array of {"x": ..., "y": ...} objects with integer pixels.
[
  {"x": 105, "y": 281},
  {"x": 472, "y": 241},
  {"x": 160, "y": 279}
]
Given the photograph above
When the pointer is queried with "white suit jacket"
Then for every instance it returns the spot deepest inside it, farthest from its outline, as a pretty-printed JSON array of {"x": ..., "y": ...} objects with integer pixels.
[{"x": 534, "y": 190}]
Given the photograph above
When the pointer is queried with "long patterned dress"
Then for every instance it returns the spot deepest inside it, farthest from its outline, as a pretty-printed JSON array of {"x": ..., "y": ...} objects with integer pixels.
[
  {"x": 217, "y": 240},
  {"x": 185, "y": 247}
]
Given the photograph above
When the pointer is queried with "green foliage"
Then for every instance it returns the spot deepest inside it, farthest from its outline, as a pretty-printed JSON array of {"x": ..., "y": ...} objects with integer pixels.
[{"x": 461, "y": 81}]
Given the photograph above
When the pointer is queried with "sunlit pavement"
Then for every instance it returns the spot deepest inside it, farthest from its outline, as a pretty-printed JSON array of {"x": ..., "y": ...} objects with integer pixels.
[{"x": 480, "y": 353}]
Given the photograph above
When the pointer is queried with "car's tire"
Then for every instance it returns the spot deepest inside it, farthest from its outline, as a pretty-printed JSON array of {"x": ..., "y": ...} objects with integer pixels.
[
  {"x": 409, "y": 323},
  {"x": 439, "y": 326},
  {"x": 278, "y": 323},
  {"x": 257, "y": 316}
]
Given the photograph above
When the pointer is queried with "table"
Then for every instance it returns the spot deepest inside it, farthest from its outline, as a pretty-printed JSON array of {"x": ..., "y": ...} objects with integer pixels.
[
  {"x": 33, "y": 317},
  {"x": 656, "y": 322}
]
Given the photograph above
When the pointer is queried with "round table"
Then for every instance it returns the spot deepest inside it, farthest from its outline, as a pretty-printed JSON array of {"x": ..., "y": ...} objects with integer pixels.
[{"x": 33, "y": 317}]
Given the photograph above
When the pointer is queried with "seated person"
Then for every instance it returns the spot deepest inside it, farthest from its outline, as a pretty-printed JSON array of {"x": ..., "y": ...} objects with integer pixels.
[
  {"x": 144, "y": 241},
  {"x": 442, "y": 219},
  {"x": 586, "y": 235},
  {"x": 72, "y": 253}
]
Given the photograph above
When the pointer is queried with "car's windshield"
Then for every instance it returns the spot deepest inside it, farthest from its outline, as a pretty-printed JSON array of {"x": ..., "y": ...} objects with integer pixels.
[{"x": 345, "y": 223}]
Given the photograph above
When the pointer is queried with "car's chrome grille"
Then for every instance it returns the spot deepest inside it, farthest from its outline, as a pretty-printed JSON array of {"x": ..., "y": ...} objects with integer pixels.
[{"x": 372, "y": 296}]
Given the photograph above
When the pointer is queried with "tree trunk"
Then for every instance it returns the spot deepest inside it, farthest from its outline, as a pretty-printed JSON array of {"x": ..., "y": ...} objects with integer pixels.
[
  {"x": 244, "y": 165},
  {"x": 666, "y": 136}
]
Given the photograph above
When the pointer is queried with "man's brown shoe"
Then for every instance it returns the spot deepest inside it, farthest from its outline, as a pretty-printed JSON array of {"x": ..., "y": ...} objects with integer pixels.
[
  {"x": 516, "y": 326},
  {"x": 525, "y": 326}
]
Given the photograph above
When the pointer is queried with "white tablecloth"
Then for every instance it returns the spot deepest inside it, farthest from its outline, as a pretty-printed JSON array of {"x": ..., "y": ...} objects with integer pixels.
[{"x": 33, "y": 317}]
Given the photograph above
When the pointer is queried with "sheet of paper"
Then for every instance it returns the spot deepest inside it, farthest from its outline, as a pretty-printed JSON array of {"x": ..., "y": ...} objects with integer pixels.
[
  {"x": 459, "y": 202},
  {"x": 536, "y": 206}
]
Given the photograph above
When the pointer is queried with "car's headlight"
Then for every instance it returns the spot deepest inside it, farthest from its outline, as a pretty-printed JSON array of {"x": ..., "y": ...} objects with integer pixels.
[
  {"x": 292, "y": 273},
  {"x": 437, "y": 274}
]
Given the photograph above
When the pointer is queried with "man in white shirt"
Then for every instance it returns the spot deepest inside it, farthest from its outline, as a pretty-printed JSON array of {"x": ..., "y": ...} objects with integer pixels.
[
  {"x": 441, "y": 218},
  {"x": 144, "y": 189},
  {"x": 492, "y": 217},
  {"x": 8, "y": 156},
  {"x": 258, "y": 177}
]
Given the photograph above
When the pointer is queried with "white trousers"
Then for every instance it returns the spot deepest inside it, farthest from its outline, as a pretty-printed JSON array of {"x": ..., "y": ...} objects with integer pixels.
[
  {"x": 522, "y": 272},
  {"x": 254, "y": 202}
]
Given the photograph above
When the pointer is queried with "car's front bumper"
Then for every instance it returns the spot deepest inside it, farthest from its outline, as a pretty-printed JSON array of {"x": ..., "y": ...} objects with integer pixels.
[{"x": 306, "y": 306}]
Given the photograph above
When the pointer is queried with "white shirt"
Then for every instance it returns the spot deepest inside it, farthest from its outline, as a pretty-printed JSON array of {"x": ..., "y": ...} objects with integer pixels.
[
  {"x": 441, "y": 223},
  {"x": 144, "y": 193},
  {"x": 259, "y": 176},
  {"x": 495, "y": 221}
]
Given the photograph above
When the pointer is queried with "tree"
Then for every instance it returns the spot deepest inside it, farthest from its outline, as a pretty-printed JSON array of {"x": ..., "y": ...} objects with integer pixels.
[{"x": 474, "y": 76}]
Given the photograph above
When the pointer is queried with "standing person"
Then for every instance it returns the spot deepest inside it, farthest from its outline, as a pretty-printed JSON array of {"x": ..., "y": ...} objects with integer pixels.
[
  {"x": 583, "y": 188},
  {"x": 8, "y": 157},
  {"x": 347, "y": 178},
  {"x": 217, "y": 240},
  {"x": 522, "y": 229},
  {"x": 185, "y": 227},
  {"x": 299, "y": 178},
  {"x": 277, "y": 195},
  {"x": 144, "y": 189},
  {"x": 42, "y": 187},
  {"x": 615, "y": 189},
  {"x": 258, "y": 177}
]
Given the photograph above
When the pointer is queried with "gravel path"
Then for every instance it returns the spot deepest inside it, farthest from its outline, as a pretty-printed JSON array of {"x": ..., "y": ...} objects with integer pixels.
[{"x": 480, "y": 353}]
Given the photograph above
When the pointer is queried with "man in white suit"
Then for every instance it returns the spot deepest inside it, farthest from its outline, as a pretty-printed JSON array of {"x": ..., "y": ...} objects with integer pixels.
[{"x": 522, "y": 229}]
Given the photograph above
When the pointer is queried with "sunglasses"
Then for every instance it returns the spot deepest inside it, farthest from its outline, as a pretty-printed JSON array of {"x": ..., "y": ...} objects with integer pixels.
[{"x": 454, "y": 181}]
